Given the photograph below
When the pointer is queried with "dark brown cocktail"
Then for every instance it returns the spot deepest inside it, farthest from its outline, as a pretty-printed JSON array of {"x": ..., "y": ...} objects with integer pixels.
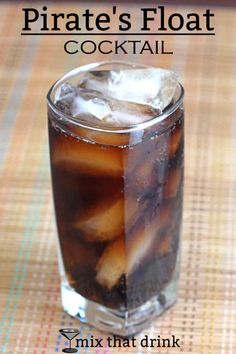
[{"x": 117, "y": 172}]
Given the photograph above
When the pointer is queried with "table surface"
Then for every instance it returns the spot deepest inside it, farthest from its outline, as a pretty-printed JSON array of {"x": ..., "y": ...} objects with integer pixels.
[{"x": 30, "y": 310}]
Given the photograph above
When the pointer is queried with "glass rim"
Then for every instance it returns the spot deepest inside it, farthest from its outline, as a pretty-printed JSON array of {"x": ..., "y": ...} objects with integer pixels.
[{"x": 87, "y": 67}]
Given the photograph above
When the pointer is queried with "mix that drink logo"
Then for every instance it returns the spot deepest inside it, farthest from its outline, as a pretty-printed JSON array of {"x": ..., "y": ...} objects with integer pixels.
[{"x": 69, "y": 333}]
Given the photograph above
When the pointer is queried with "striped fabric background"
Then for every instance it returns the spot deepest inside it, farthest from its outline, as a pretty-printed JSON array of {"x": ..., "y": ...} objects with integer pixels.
[{"x": 30, "y": 309}]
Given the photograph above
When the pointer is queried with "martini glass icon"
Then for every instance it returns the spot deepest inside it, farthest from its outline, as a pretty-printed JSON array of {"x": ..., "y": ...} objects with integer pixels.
[{"x": 69, "y": 333}]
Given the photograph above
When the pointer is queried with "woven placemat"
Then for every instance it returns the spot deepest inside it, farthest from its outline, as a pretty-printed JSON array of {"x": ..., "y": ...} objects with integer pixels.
[{"x": 30, "y": 310}]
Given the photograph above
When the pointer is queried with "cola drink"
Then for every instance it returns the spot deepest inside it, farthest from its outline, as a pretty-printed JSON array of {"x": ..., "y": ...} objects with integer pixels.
[{"x": 117, "y": 177}]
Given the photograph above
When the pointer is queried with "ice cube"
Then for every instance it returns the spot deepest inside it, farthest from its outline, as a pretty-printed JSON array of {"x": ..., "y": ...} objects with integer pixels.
[
  {"x": 89, "y": 159},
  {"x": 64, "y": 90},
  {"x": 126, "y": 113},
  {"x": 142, "y": 241},
  {"x": 122, "y": 257},
  {"x": 150, "y": 86},
  {"x": 91, "y": 105},
  {"x": 105, "y": 223},
  {"x": 96, "y": 81},
  {"x": 87, "y": 102},
  {"x": 111, "y": 264},
  {"x": 64, "y": 97}
]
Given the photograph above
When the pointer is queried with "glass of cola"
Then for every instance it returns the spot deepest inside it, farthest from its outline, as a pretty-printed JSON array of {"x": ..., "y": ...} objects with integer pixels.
[{"x": 116, "y": 134}]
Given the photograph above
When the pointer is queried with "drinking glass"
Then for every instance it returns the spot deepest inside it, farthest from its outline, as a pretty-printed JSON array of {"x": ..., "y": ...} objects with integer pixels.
[{"x": 118, "y": 204}]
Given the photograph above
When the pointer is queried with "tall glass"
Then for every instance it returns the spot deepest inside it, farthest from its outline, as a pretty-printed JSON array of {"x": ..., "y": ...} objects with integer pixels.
[{"x": 118, "y": 204}]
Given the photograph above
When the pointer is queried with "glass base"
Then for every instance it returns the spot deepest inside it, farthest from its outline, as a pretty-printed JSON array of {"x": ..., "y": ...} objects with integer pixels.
[{"x": 122, "y": 323}]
